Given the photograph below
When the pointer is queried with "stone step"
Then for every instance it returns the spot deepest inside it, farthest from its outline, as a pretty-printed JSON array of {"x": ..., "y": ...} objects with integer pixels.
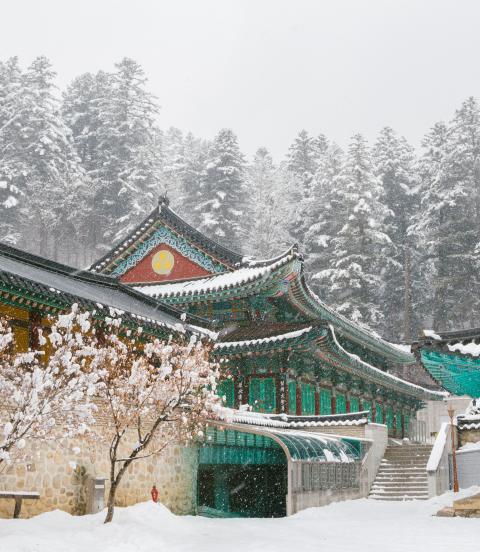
[
  {"x": 399, "y": 485},
  {"x": 406, "y": 456},
  {"x": 400, "y": 457},
  {"x": 408, "y": 489},
  {"x": 405, "y": 462},
  {"x": 402, "y": 474},
  {"x": 388, "y": 468},
  {"x": 407, "y": 452},
  {"x": 397, "y": 498},
  {"x": 401, "y": 481},
  {"x": 400, "y": 496},
  {"x": 407, "y": 473}
]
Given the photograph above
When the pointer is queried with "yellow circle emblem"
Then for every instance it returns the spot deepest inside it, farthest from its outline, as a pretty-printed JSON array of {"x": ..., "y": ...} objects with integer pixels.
[{"x": 162, "y": 262}]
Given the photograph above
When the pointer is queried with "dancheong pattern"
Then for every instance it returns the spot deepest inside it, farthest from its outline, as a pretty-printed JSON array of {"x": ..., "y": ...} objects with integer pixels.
[{"x": 164, "y": 235}]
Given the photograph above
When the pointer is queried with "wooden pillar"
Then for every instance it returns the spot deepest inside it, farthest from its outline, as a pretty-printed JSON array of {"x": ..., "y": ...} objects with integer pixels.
[
  {"x": 299, "y": 399},
  {"x": 317, "y": 402},
  {"x": 35, "y": 324},
  {"x": 347, "y": 402},
  {"x": 334, "y": 401}
]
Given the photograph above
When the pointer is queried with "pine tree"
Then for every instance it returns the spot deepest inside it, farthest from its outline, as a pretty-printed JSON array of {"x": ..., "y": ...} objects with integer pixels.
[
  {"x": 270, "y": 207},
  {"x": 302, "y": 164},
  {"x": 12, "y": 169},
  {"x": 325, "y": 217},
  {"x": 83, "y": 103},
  {"x": 449, "y": 217},
  {"x": 192, "y": 176},
  {"x": 224, "y": 196},
  {"x": 131, "y": 169},
  {"x": 361, "y": 245},
  {"x": 173, "y": 163},
  {"x": 40, "y": 160},
  {"x": 394, "y": 164}
]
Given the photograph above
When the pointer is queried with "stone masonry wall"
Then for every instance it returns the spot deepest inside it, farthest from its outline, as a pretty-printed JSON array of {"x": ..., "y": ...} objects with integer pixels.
[
  {"x": 59, "y": 471},
  {"x": 469, "y": 436}
]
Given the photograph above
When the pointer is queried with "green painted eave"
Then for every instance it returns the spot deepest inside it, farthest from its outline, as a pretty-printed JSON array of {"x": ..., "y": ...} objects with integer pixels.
[{"x": 457, "y": 373}]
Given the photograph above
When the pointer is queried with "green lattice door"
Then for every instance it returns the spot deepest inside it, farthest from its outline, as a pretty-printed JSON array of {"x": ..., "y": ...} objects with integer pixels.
[
  {"x": 325, "y": 401},
  {"x": 354, "y": 404},
  {"x": 308, "y": 399},
  {"x": 292, "y": 397},
  {"x": 398, "y": 425},
  {"x": 226, "y": 389},
  {"x": 389, "y": 419},
  {"x": 367, "y": 405},
  {"x": 341, "y": 404},
  {"x": 262, "y": 394}
]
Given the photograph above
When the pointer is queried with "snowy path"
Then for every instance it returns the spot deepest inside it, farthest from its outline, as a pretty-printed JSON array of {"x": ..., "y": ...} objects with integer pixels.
[{"x": 359, "y": 526}]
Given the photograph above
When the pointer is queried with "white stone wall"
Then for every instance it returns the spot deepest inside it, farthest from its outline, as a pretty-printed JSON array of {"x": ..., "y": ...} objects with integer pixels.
[
  {"x": 468, "y": 468},
  {"x": 435, "y": 412},
  {"x": 378, "y": 435}
]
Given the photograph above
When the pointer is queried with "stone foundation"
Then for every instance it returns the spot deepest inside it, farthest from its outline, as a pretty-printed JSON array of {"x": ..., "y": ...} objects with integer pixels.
[
  {"x": 469, "y": 436},
  {"x": 59, "y": 472}
]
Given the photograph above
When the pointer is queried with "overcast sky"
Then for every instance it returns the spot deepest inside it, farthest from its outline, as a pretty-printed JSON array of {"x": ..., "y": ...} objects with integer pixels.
[{"x": 268, "y": 68}]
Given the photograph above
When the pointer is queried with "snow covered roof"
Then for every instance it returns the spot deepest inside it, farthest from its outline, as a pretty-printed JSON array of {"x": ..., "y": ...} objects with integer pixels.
[
  {"x": 45, "y": 279},
  {"x": 295, "y": 422},
  {"x": 263, "y": 343},
  {"x": 227, "y": 280},
  {"x": 366, "y": 370},
  {"x": 452, "y": 359},
  {"x": 471, "y": 418},
  {"x": 463, "y": 342}
]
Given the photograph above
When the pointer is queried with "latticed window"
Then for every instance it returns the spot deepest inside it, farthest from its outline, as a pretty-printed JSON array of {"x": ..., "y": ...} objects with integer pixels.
[
  {"x": 262, "y": 394},
  {"x": 354, "y": 404},
  {"x": 226, "y": 389},
  {"x": 292, "y": 397},
  {"x": 367, "y": 405},
  {"x": 399, "y": 422},
  {"x": 389, "y": 418},
  {"x": 341, "y": 404},
  {"x": 308, "y": 399},
  {"x": 378, "y": 414},
  {"x": 325, "y": 401}
]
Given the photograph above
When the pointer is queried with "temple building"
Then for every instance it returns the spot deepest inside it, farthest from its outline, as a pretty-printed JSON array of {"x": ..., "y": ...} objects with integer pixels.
[
  {"x": 324, "y": 393},
  {"x": 285, "y": 350}
]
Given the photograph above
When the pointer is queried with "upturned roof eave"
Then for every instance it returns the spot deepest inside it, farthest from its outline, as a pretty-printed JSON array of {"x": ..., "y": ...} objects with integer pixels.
[{"x": 313, "y": 304}]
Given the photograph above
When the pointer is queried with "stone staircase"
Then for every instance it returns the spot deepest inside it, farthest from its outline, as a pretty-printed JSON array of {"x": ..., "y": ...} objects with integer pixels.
[{"x": 402, "y": 474}]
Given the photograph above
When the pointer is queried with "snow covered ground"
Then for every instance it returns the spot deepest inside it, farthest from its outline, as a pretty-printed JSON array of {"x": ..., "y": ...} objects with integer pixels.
[{"x": 359, "y": 525}]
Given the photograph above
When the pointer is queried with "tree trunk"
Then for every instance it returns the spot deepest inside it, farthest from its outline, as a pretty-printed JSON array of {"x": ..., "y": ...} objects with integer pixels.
[
  {"x": 111, "y": 500},
  {"x": 407, "y": 304}
]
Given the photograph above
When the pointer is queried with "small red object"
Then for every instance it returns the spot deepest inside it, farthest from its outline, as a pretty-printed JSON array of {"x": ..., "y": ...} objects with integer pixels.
[{"x": 154, "y": 493}]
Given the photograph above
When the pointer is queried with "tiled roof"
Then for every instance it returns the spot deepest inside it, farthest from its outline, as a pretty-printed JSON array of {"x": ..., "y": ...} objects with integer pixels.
[
  {"x": 295, "y": 422},
  {"x": 214, "y": 284},
  {"x": 263, "y": 343},
  {"x": 164, "y": 214},
  {"x": 56, "y": 284}
]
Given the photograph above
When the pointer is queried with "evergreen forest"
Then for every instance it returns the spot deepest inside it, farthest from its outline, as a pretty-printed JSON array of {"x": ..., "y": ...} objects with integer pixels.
[{"x": 389, "y": 233}]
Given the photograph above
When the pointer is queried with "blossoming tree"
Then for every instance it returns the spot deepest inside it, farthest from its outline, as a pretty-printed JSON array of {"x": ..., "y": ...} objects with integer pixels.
[
  {"x": 43, "y": 397},
  {"x": 163, "y": 392}
]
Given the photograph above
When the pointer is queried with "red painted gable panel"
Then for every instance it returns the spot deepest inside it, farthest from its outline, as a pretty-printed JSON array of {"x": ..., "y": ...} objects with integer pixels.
[{"x": 163, "y": 264}]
